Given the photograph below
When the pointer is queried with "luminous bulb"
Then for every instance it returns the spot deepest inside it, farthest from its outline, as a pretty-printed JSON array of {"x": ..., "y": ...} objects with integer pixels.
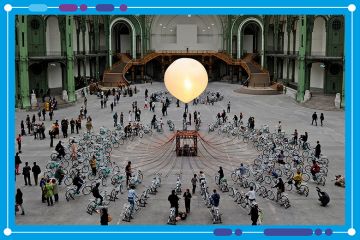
[{"x": 186, "y": 79}]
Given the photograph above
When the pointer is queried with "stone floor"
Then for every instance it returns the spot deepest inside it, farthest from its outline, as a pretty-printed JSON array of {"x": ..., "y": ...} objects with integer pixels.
[{"x": 151, "y": 155}]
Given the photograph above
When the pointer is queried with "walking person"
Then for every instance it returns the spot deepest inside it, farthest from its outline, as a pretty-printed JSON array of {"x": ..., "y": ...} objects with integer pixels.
[
  {"x": 314, "y": 118},
  {"x": 128, "y": 173},
  {"x": 254, "y": 213},
  {"x": 26, "y": 173},
  {"x": 42, "y": 186},
  {"x": 190, "y": 119},
  {"x": 174, "y": 202},
  {"x": 51, "y": 114},
  {"x": 187, "y": 199},
  {"x": 72, "y": 125},
  {"x": 17, "y": 163},
  {"x": 321, "y": 118},
  {"x": 317, "y": 150},
  {"x": 112, "y": 106},
  {"x": 131, "y": 198},
  {"x": 93, "y": 165},
  {"x": 228, "y": 107},
  {"x": 193, "y": 182},
  {"x": 36, "y": 171},
  {"x": 105, "y": 217},
  {"x": 221, "y": 174},
  {"x": 43, "y": 113},
  {"x": 19, "y": 200},
  {"x": 18, "y": 140}
]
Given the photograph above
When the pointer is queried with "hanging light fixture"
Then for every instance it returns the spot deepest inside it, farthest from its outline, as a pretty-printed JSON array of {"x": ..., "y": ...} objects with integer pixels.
[{"x": 186, "y": 79}]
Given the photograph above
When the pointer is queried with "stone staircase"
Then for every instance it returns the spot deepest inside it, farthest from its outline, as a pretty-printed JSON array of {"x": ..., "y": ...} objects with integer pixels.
[
  {"x": 258, "y": 76},
  {"x": 114, "y": 77}
]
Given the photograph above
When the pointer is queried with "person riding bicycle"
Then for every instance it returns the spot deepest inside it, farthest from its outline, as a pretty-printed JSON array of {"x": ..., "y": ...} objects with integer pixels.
[
  {"x": 59, "y": 174},
  {"x": 131, "y": 197},
  {"x": 202, "y": 179},
  {"x": 215, "y": 199},
  {"x": 280, "y": 188},
  {"x": 242, "y": 169},
  {"x": 323, "y": 197},
  {"x": 297, "y": 179},
  {"x": 128, "y": 130},
  {"x": 250, "y": 195},
  {"x": 96, "y": 193},
  {"x": 60, "y": 149},
  {"x": 315, "y": 169},
  {"x": 78, "y": 182}
]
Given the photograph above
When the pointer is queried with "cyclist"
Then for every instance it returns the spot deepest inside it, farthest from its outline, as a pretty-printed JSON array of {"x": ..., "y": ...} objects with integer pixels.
[
  {"x": 280, "y": 188},
  {"x": 131, "y": 198},
  {"x": 96, "y": 193},
  {"x": 242, "y": 169},
  {"x": 78, "y": 182},
  {"x": 60, "y": 149},
  {"x": 314, "y": 169},
  {"x": 250, "y": 195},
  {"x": 297, "y": 179},
  {"x": 59, "y": 174},
  {"x": 174, "y": 201},
  {"x": 304, "y": 138},
  {"x": 202, "y": 178},
  {"x": 215, "y": 199}
]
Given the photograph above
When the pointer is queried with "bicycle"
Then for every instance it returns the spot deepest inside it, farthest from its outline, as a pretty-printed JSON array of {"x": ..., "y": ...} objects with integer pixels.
[
  {"x": 94, "y": 203},
  {"x": 71, "y": 191},
  {"x": 302, "y": 188}
]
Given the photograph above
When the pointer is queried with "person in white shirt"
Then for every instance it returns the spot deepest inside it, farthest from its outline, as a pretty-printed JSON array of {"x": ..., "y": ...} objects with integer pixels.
[
  {"x": 130, "y": 117},
  {"x": 202, "y": 178},
  {"x": 251, "y": 195},
  {"x": 131, "y": 197}
]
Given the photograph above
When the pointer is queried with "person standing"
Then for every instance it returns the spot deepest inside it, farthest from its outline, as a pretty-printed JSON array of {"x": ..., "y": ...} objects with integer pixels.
[
  {"x": 42, "y": 186},
  {"x": 85, "y": 101},
  {"x": 314, "y": 118},
  {"x": 26, "y": 173},
  {"x": 174, "y": 202},
  {"x": 190, "y": 119},
  {"x": 121, "y": 119},
  {"x": 228, "y": 107},
  {"x": 49, "y": 192},
  {"x": 254, "y": 213},
  {"x": 279, "y": 127},
  {"x": 19, "y": 200},
  {"x": 17, "y": 163},
  {"x": 105, "y": 218},
  {"x": 128, "y": 173},
  {"x": 115, "y": 117},
  {"x": 193, "y": 182},
  {"x": 321, "y": 118},
  {"x": 36, "y": 171},
  {"x": 43, "y": 113},
  {"x": 221, "y": 174},
  {"x": 18, "y": 140},
  {"x": 72, "y": 125},
  {"x": 78, "y": 125},
  {"x": 215, "y": 199},
  {"x": 56, "y": 190},
  {"x": 51, "y": 114},
  {"x": 317, "y": 150},
  {"x": 186, "y": 108},
  {"x": 112, "y": 106},
  {"x": 187, "y": 198},
  {"x": 93, "y": 165}
]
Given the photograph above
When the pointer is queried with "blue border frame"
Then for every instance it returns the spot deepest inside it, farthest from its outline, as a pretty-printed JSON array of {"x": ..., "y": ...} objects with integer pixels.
[{"x": 186, "y": 7}]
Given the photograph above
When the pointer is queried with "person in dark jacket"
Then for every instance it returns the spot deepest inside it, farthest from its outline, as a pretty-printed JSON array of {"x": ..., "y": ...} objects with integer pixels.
[
  {"x": 254, "y": 213},
  {"x": 104, "y": 217},
  {"x": 314, "y": 119},
  {"x": 26, "y": 173},
  {"x": 19, "y": 200},
  {"x": 215, "y": 199},
  {"x": 36, "y": 171},
  {"x": 221, "y": 174},
  {"x": 174, "y": 201},
  {"x": 187, "y": 198},
  {"x": 317, "y": 149},
  {"x": 96, "y": 193},
  {"x": 321, "y": 119},
  {"x": 17, "y": 163},
  {"x": 280, "y": 188}
]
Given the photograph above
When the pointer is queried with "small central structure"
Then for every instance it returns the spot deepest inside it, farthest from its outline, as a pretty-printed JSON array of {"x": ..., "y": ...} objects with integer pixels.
[{"x": 186, "y": 143}]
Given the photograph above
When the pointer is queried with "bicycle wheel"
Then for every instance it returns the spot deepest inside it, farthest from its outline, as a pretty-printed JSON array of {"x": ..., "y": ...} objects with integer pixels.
[
  {"x": 307, "y": 168},
  {"x": 92, "y": 177},
  {"x": 91, "y": 208},
  {"x": 237, "y": 197},
  {"x": 306, "y": 177},
  {"x": 121, "y": 141},
  {"x": 259, "y": 148},
  {"x": 67, "y": 156},
  {"x": 305, "y": 190},
  {"x": 245, "y": 183},
  {"x": 267, "y": 179},
  {"x": 243, "y": 202},
  {"x": 140, "y": 176},
  {"x": 141, "y": 134},
  {"x": 266, "y": 152},
  {"x": 234, "y": 177},
  {"x": 85, "y": 169},
  {"x": 288, "y": 186},
  {"x": 113, "y": 195},
  {"x": 70, "y": 193},
  {"x": 305, "y": 153},
  {"x": 68, "y": 180},
  {"x": 270, "y": 195},
  {"x": 278, "y": 172},
  {"x": 86, "y": 190},
  {"x": 231, "y": 192},
  {"x": 322, "y": 180},
  {"x": 257, "y": 161},
  {"x": 64, "y": 164},
  {"x": 217, "y": 180}
]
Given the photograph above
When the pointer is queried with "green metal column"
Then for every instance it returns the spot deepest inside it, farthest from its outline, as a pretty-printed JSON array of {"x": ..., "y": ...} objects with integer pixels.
[
  {"x": 23, "y": 62},
  {"x": 97, "y": 45},
  {"x": 69, "y": 25},
  {"x": 107, "y": 36},
  {"x": 302, "y": 64}
]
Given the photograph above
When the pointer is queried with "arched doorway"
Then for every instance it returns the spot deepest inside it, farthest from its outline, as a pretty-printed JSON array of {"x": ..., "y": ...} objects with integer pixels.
[
  {"x": 251, "y": 38},
  {"x": 318, "y": 41},
  {"x": 122, "y": 37}
]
